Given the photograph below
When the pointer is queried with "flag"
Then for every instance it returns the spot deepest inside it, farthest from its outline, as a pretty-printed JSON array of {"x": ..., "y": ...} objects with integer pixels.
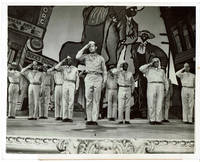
[{"x": 172, "y": 73}]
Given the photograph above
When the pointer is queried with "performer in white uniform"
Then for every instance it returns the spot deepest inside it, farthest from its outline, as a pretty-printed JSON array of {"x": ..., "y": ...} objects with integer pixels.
[
  {"x": 58, "y": 80},
  {"x": 46, "y": 91},
  {"x": 14, "y": 89},
  {"x": 187, "y": 94},
  {"x": 155, "y": 89},
  {"x": 126, "y": 85},
  {"x": 94, "y": 81},
  {"x": 112, "y": 88},
  {"x": 34, "y": 91},
  {"x": 70, "y": 86}
]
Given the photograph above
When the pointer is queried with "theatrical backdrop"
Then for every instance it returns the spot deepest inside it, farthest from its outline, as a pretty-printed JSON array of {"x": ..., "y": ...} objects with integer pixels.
[{"x": 48, "y": 34}]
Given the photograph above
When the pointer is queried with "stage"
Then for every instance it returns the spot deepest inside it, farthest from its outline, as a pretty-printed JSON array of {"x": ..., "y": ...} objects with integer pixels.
[{"x": 51, "y": 136}]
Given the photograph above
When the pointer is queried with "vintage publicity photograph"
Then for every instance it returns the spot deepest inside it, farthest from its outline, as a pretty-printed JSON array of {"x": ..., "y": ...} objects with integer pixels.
[{"x": 100, "y": 79}]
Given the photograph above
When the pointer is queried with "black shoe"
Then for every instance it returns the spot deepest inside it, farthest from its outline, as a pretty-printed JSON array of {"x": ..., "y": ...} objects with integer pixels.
[
  {"x": 65, "y": 120},
  {"x": 34, "y": 118},
  {"x": 166, "y": 121},
  {"x": 127, "y": 122},
  {"x": 11, "y": 117},
  {"x": 92, "y": 123},
  {"x": 158, "y": 123},
  {"x": 185, "y": 122},
  {"x": 95, "y": 123},
  {"x": 70, "y": 120},
  {"x": 45, "y": 117},
  {"x": 41, "y": 117},
  {"x": 58, "y": 118},
  {"x": 189, "y": 123},
  {"x": 121, "y": 122},
  {"x": 31, "y": 118},
  {"x": 112, "y": 119},
  {"x": 88, "y": 123}
]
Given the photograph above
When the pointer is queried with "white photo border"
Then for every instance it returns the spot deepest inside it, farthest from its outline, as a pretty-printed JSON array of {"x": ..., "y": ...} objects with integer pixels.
[{"x": 3, "y": 80}]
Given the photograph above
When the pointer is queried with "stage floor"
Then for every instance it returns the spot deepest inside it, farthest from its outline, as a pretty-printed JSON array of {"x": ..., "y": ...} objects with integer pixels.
[{"x": 139, "y": 128}]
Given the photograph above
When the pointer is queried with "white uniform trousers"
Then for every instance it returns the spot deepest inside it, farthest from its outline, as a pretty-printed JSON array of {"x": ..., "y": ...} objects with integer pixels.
[
  {"x": 33, "y": 99},
  {"x": 13, "y": 98},
  {"x": 44, "y": 101},
  {"x": 58, "y": 101},
  {"x": 187, "y": 95},
  {"x": 124, "y": 97},
  {"x": 166, "y": 106},
  {"x": 68, "y": 99},
  {"x": 112, "y": 103},
  {"x": 93, "y": 87},
  {"x": 155, "y": 96}
]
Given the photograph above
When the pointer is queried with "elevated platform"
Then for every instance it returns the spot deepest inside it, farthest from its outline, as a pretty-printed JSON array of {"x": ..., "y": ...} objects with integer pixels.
[{"x": 51, "y": 136}]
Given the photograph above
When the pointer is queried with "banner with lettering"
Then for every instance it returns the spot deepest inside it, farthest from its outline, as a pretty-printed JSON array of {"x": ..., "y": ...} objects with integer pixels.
[{"x": 25, "y": 27}]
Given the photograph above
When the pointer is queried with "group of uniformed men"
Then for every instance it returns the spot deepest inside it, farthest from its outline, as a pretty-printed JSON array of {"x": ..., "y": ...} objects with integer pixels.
[{"x": 119, "y": 82}]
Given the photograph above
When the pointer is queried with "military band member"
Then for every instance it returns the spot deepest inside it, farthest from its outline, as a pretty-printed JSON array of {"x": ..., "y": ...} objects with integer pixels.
[
  {"x": 58, "y": 80},
  {"x": 70, "y": 86},
  {"x": 126, "y": 85},
  {"x": 14, "y": 89},
  {"x": 35, "y": 79},
  {"x": 46, "y": 91},
  {"x": 187, "y": 93},
  {"x": 112, "y": 89},
  {"x": 155, "y": 89},
  {"x": 95, "y": 80}
]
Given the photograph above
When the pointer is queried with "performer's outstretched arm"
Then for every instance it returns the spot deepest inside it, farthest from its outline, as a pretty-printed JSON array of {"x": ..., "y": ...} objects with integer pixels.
[
  {"x": 57, "y": 67},
  {"x": 145, "y": 68},
  {"x": 179, "y": 73},
  {"x": 80, "y": 52},
  {"x": 51, "y": 69},
  {"x": 26, "y": 68}
]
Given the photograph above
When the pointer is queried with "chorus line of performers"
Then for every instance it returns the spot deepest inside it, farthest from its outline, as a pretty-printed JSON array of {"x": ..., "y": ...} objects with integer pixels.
[{"x": 119, "y": 82}]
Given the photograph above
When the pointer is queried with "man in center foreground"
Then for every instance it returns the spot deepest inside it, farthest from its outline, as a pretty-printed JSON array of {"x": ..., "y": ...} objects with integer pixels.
[
  {"x": 155, "y": 89},
  {"x": 94, "y": 81}
]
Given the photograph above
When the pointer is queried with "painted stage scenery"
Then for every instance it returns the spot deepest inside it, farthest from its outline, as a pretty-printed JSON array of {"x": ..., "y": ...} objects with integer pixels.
[{"x": 101, "y": 80}]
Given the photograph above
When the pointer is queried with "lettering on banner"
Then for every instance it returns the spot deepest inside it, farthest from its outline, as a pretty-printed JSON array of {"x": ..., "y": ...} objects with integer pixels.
[
  {"x": 25, "y": 27},
  {"x": 45, "y": 14},
  {"x": 40, "y": 58}
]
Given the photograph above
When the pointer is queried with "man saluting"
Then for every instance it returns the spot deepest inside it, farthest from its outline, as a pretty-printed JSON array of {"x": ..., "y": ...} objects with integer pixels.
[
  {"x": 69, "y": 87},
  {"x": 94, "y": 81}
]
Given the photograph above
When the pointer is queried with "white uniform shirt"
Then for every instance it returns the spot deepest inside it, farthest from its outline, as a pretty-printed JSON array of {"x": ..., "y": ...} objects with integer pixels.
[
  {"x": 70, "y": 73},
  {"x": 187, "y": 79},
  {"x": 33, "y": 76},
  {"x": 155, "y": 75},
  {"x": 94, "y": 63},
  {"x": 46, "y": 80},
  {"x": 13, "y": 76},
  {"x": 125, "y": 78},
  {"x": 111, "y": 81},
  {"x": 58, "y": 78}
]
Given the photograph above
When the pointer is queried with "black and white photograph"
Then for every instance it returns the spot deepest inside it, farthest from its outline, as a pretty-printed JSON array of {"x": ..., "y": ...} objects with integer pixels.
[{"x": 100, "y": 79}]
